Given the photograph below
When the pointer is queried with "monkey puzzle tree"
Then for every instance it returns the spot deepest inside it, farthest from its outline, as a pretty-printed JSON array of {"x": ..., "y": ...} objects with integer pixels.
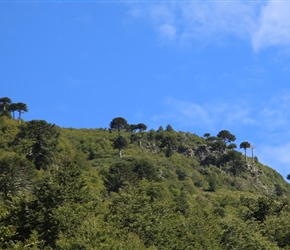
[
  {"x": 4, "y": 105},
  {"x": 13, "y": 108},
  {"x": 141, "y": 127},
  {"x": 21, "y": 108},
  {"x": 119, "y": 123},
  {"x": 245, "y": 145},
  {"x": 226, "y": 136}
]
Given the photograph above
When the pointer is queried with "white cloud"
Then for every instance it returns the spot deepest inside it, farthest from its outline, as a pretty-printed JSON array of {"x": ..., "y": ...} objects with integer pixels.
[
  {"x": 209, "y": 116},
  {"x": 183, "y": 113},
  {"x": 215, "y": 19},
  {"x": 262, "y": 24},
  {"x": 200, "y": 20},
  {"x": 262, "y": 126},
  {"x": 273, "y": 27},
  {"x": 277, "y": 157},
  {"x": 168, "y": 31},
  {"x": 275, "y": 113}
]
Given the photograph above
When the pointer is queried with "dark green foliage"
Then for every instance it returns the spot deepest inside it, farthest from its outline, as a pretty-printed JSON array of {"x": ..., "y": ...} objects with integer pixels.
[
  {"x": 49, "y": 209},
  {"x": 141, "y": 126},
  {"x": 20, "y": 107},
  {"x": 16, "y": 174},
  {"x": 120, "y": 174},
  {"x": 119, "y": 123},
  {"x": 38, "y": 140},
  {"x": 226, "y": 136},
  {"x": 212, "y": 183},
  {"x": 145, "y": 169},
  {"x": 120, "y": 143},
  {"x": 180, "y": 191},
  {"x": 169, "y": 128},
  {"x": 4, "y": 106},
  {"x": 261, "y": 208},
  {"x": 124, "y": 173}
]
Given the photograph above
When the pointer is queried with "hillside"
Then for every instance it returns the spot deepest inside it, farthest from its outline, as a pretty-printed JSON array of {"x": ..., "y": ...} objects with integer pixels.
[{"x": 129, "y": 188}]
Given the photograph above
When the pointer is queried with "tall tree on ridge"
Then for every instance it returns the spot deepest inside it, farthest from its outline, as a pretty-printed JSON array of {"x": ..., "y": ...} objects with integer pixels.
[
  {"x": 4, "y": 105},
  {"x": 21, "y": 108},
  {"x": 226, "y": 136},
  {"x": 13, "y": 108},
  {"x": 119, "y": 123},
  {"x": 245, "y": 145}
]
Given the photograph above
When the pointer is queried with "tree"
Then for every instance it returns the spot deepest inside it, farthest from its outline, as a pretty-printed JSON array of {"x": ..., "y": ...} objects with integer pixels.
[
  {"x": 61, "y": 194},
  {"x": 226, "y": 136},
  {"x": 119, "y": 175},
  {"x": 232, "y": 146},
  {"x": 132, "y": 127},
  {"x": 160, "y": 129},
  {"x": 13, "y": 108},
  {"x": 288, "y": 177},
  {"x": 21, "y": 108},
  {"x": 16, "y": 174},
  {"x": 145, "y": 169},
  {"x": 4, "y": 105},
  {"x": 119, "y": 144},
  {"x": 245, "y": 145},
  {"x": 38, "y": 140},
  {"x": 169, "y": 128},
  {"x": 206, "y": 135},
  {"x": 119, "y": 123},
  {"x": 141, "y": 127}
]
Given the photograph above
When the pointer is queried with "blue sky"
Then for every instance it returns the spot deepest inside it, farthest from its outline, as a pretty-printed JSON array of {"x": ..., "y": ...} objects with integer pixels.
[{"x": 200, "y": 66}]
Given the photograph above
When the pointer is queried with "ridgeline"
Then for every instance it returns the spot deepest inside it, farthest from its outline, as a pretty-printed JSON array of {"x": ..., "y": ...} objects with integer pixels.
[{"x": 128, "y": 188}]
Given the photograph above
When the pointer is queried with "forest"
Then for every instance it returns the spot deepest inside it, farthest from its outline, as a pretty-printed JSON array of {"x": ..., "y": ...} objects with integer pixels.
[{"x": 127, "y": 187}]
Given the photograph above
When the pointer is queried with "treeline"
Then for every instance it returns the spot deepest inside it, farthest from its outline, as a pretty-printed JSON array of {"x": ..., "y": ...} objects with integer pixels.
[
  {"x": 70, "y": 189},
  {"x": 8, "y": 108}
]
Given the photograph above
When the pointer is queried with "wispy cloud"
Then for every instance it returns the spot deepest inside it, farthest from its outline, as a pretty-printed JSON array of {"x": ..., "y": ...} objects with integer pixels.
[
  {"x": 270, "y": 123},
  {"x": 262, "y": 24},
  {"x": 277, "y": 157},
  {"x": 271, "y": 119},
  {"x": 273, "y": 25},
  {"x": 207, "y": 116}
]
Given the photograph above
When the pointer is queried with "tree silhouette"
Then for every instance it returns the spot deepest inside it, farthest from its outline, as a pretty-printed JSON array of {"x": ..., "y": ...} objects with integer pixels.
[
  {"x": 4, "y": 105},
  {"x": 13, "y": 108},
  {"x": 119, "y": 123},
  {"x": 226, "y": 136},
  {"x": 141, "y": 127},
  {"x": 245, "y": 145},
  {"x": 21, "y": 108}
]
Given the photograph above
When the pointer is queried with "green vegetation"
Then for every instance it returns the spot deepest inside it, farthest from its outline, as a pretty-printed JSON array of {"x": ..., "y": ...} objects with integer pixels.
[{"x": 65, "y": 188}]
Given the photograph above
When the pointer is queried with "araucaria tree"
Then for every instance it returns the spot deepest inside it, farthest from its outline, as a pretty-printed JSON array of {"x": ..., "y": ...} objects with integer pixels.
[
  {"x": 119, "y": 123},
  {"x": 21, "y": 108},
  {"x": 4, "y": 105},
  {"x": 245, "y": 145},
  {"x": 226, "y": 136}
]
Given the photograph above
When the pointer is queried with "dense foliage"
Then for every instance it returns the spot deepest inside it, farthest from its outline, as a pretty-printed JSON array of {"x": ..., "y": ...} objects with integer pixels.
[{"x": 64, "y": 188}]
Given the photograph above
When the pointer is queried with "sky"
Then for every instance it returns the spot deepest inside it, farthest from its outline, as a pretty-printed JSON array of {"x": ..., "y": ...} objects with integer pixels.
[{"x": 200, "y": 66}]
